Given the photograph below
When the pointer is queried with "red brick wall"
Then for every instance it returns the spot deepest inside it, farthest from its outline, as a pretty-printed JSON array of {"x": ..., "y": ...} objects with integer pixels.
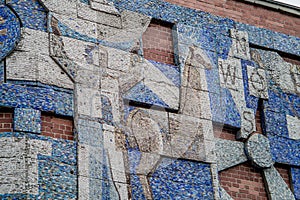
[
  {"x": 57, "y": 127},
  {"x": 224, "y": 132},
  {"x": 243, "y": 182},
  {"x": 158, "y": 42},
  {"x": 6, "y": 121},
  {"x": 247, "y": 13},
  {"x": 284, "y": 171}
]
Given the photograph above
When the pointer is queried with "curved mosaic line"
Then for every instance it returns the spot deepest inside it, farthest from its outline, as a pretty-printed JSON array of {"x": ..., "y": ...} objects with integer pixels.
[{"x": 10, "y": 31}]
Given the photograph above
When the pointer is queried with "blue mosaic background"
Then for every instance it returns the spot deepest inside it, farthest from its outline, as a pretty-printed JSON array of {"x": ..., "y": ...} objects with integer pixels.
[
  {"x": 10, "y": 24},
  {"x": 182, "y": 179},
  {"x": 296, "y": 181}
]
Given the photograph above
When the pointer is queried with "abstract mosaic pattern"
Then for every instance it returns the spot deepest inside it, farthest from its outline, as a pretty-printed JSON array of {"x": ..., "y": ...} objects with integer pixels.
[
  {"x": 10, "y": 31},
  {"x": 144, "y": 129}
]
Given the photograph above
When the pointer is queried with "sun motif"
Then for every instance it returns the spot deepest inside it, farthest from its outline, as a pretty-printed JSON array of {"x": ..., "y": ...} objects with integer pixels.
[{"x": 257, "y": 150}]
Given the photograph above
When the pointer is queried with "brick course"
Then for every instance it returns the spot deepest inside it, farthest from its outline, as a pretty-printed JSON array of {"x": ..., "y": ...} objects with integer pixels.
[
  {"x": 6, "y": 120},
  {"x": 57, "y": 127},
  {"x": 243, "y": 182},
  {"x": 248, "y": 13},
  {"x": 158, "y": 42}
]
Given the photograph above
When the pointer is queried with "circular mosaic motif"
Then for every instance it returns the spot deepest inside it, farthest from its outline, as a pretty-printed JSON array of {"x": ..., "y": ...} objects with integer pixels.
[
  {"x": 258, "y": 151},
  {"x": 10, "y": 31}
]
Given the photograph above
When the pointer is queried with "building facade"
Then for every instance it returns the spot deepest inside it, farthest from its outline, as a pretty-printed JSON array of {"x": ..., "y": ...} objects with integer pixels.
[{"x": 149, "y": 99}]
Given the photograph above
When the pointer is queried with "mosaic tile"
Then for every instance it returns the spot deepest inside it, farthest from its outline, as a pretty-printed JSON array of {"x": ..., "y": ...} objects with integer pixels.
[
  {"x": 258, "y": 151},
  {"x": 176, "y": 179},
  {"x": 276, "y": 186},
  {"x": 285, "y": 150},
  {"x": 258, "y": 36},
  {"x": 141, "y": 93},
  {"x": 10, "y": 31},
  {"x": 1, "y": 72},
  {"x": 37, "y": 98},
  {"x": 251, "y": 101},
  {"x": 57, "y": 180},
  {"x": 27, "y": 120},
  {"x": 275, "y": 123},
  {"x": 229, "y": 153},
  {"x": 170, "y": 71},
  {"x": 31, "y": 13},
  {"x": 295, "y": 173},
  {"x": 286, "y": 43}
]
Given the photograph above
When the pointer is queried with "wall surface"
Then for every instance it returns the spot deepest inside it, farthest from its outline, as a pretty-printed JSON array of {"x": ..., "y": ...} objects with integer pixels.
[{"x": 148, "y": 99}]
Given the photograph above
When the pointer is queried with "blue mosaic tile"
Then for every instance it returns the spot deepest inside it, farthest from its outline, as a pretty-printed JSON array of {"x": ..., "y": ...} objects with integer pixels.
[
  {"x": 275, "y": 123},
  {"x": 27, "y": 120},
  {"x": 291, "y": 104},
  {"x": 64, "y": 151},
  {"x": 44, "y": 99},
  {"x": 217, "y": 108},
  {"x": 17, "y": 197},
  {"x": 170, "y": 71},
  {"x": 141, "y": 93},
  {"x": 202, "y": 37},
  {"x": 136, "y": 188},
  {"x": 31, "y": 12},
  {"x": 96, "y": 163},
  {"x": 223, "y": 45},
  {"x": 56, "y": 180},
  {"x": 182, "y": 179},
  {"x": 295, "y": 174},
  {"x": 85, "y": 1},
  {"x": 275, "y": 102},
  {"x": 285, "y": 150},
  {"x": 1, "y": 72},
  {"x": 286, "y": 43},
  {"x": 107, "y": 116},
  {"x": 134, "y": 157},
  {"x": 223, "y": 108},
  {"x": 11, "y": 31},
  {"x": 257, "y": 36},
  {"x": 213, "y": 85},
  {"x": 251, "y": 101},
  {"x": 90, "y": 133}
]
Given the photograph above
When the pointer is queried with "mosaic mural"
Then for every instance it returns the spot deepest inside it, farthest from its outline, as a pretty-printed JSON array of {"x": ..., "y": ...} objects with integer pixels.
[{"x": 143, "y": 129}]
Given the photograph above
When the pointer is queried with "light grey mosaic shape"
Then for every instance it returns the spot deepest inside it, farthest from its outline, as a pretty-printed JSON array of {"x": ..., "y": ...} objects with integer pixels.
[
  {"x": 27, "y": 120},
  {"x": 258, "y": 151},
  {"x": 276, "y": 186},
  {"x": 257, "y": 82},
  {"x": 240, "y": 44},
  {"x": 224, "y": 195},
  {"x": 229, "y": 153},
  {"x": 19, "y": 164},
  {"x": 293, "y": 124}
]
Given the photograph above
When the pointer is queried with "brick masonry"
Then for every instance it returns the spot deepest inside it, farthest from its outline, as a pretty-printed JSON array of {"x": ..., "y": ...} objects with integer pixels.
[
  {"x": 158, "y": 42},
  {"x": 6, "y": 120},
  {"x": 243, "y": 182},
  {"x": 57, "y": 127},
  {"x": 247, "y": 13}
]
